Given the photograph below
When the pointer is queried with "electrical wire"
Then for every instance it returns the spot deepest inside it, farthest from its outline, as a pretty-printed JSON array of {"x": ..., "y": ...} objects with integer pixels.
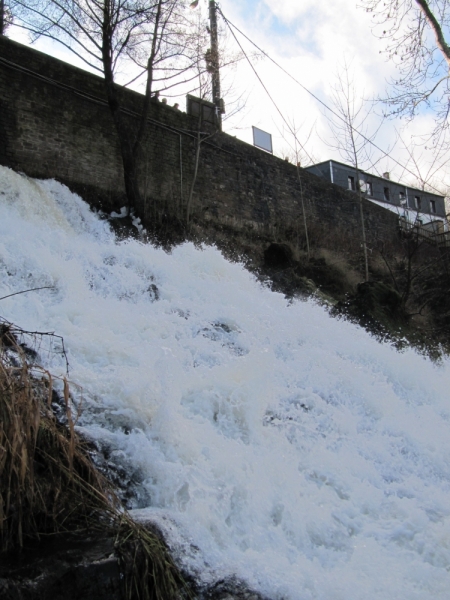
[
  {"x": 231, "y": 26},
  {"x": 265, "y": 88}
]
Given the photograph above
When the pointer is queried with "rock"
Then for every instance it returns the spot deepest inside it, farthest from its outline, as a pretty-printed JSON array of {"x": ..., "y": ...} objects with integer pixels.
[
  {"x": 231, "y": 589},
  {"x": 375, "y": 296},
  {"x": 278, "y": 255},
  {"x": 377, "y": 307},
  {"x": 65, "y": 568},
  {"x": 153, "y": 292}
]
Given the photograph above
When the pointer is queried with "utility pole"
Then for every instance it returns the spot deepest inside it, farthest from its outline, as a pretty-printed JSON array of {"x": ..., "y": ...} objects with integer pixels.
[
  {"x": 2, "y": 16},
  {"x": 215, "y": 76},
  {"x": 212, "y": 61}
]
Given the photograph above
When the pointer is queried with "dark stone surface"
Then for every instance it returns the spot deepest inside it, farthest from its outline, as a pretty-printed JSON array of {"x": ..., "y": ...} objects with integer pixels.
[
  {"x": 69, "y": 567},
  {"x": 231, "y": 589},
  {"x": 278, "y": 255},
  {"x": 64, "y": 568},
  {"x": 379, "y": 308},
  {"x": 374, "y": 296}
]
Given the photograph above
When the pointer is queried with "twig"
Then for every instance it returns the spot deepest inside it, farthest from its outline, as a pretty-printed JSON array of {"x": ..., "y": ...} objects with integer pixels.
[
  {"x": 45, "y": 287},
  {"x": 15, "y": 330}
]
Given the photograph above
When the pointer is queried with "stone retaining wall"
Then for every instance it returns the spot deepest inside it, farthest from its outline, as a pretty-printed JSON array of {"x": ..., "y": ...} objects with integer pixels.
[{"x": 55, "y": 123}]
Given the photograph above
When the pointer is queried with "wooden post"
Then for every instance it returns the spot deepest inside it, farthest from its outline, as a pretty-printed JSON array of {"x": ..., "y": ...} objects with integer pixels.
[{"x": 215, "y": 76}]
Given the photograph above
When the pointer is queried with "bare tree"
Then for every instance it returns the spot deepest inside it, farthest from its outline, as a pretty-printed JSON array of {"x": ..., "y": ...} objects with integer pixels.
[
  {"x": 299, "y": 156},
  {"x": 6, "y": 17},
  {"x": 294, "y": 151},
  {"x": 349, "y": 128},
  {"x": 417, "y": 36},
  {"x": 426, "y": 164},
  {"x": 104, "y": 34}
]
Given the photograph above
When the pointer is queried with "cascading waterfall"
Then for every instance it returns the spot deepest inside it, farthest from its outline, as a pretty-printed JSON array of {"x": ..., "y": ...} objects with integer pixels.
[{"x": 269, "y": 441}]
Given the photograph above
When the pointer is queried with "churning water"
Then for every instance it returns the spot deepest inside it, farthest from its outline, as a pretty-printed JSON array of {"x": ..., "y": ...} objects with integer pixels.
[{"x": 268, "y": 440}]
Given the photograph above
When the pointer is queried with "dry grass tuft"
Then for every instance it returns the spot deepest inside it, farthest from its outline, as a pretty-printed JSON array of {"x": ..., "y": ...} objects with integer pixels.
[
  {"x": 49, "y": 485},
  {"x": 47, "y": 482},
  {"x": 149, "y": 571}
]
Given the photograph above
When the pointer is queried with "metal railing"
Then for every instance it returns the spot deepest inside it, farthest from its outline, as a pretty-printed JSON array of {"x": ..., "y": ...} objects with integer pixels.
[{"x": 437, "y": 238}]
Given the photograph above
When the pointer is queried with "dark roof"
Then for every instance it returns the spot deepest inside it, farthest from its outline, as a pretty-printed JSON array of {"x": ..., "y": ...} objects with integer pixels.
[{"x": 410, "y": 187}]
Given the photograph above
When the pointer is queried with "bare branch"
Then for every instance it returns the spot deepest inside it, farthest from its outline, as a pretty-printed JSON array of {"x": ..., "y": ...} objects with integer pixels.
[
  {"x": 414, "y": 35},
  {"x": 45, "y": 287}
]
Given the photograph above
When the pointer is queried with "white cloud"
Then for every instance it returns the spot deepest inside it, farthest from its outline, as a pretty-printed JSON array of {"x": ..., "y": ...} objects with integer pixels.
[{"x": 310, "y": 39}]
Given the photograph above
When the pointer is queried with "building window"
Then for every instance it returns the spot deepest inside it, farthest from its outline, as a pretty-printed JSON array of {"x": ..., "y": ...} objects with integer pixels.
[
  {"x": 433, "y": 206},
  {"x": 369, "y": 189},
  {"x": 417, "y": 202},
  {"x": 351, "y": 183},
  {"x": 387, "y": 194},
  {"x": 402, "y": 198}
]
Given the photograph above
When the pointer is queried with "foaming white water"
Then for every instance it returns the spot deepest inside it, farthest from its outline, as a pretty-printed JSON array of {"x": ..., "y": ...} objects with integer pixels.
[{"x": 268, "y": 440}]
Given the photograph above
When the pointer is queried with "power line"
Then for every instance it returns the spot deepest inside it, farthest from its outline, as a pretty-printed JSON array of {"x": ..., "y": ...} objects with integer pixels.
[
  {"x": 263, "y": 85},
  {"x": 386, "y": 154}
]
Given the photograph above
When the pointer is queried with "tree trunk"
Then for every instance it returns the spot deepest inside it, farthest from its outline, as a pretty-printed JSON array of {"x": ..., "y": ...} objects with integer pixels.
[
  {"x": 305, "y": 224},
  {"x": 437, "y": 30},
  {"x": 123, "y": 132},
  {"x": 194, "y": 178},
  {"x": 137, "y": 144},
  {"x": 129, "y": 157},
  {"x": 363, "y": 227},
  {"x": 2, "y": 17}
]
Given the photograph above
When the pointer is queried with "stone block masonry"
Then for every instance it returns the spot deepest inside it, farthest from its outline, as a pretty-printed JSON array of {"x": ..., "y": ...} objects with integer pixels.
[{"x": 55, "y": 123}]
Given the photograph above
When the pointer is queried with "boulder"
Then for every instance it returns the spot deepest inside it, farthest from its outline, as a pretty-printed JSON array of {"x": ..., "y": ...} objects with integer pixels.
[
  {"x": 278, "y": 256},
  {"x": 62, "y": 568}
]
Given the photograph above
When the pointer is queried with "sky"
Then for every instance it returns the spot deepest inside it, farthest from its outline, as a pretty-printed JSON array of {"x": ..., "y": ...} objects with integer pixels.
[{"x": 312, "y": 40}]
